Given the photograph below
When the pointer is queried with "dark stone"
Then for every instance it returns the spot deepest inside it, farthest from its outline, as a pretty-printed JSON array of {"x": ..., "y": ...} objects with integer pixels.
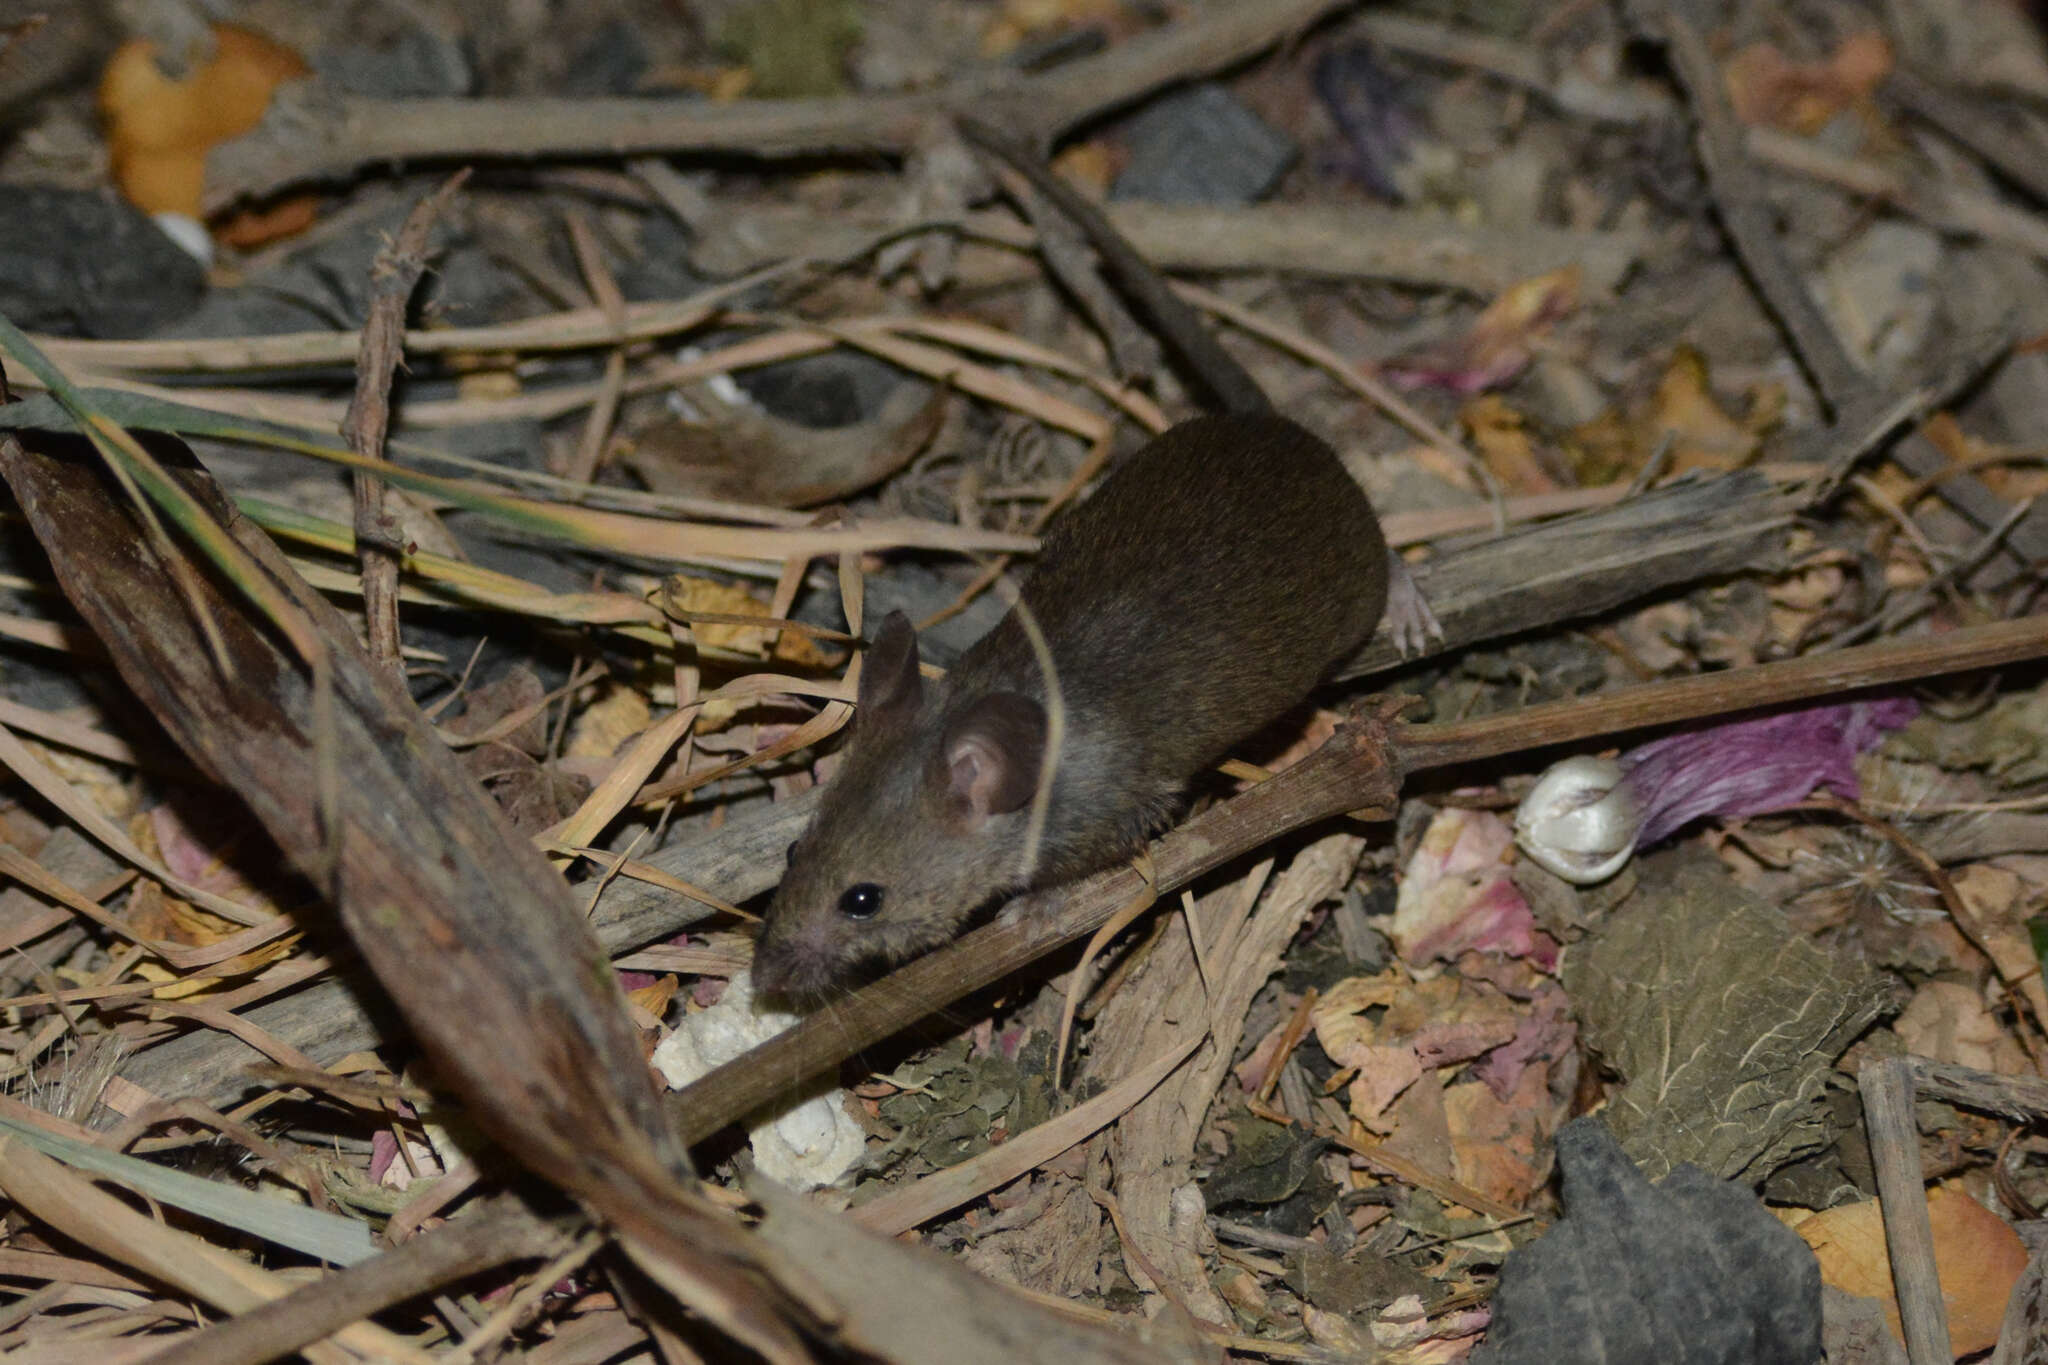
[
  {"x": 326, "y": 285},
  {"x": 1200, "y": 146},
  {"x": 660, "y": 268},
  {"x": 918, "y": 590},
  {"x": 1691, "y": 1271},
  {"x": 835, "y": 389},
  {"x": 84, "y": 263}
]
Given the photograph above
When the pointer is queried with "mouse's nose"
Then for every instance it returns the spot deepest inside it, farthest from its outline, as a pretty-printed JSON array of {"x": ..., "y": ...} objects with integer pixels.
[{"x": 789, "y": 970}]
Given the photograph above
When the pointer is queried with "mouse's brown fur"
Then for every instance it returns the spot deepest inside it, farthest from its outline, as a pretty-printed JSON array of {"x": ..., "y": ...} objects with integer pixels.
[{"x": 1203, "y": 590}]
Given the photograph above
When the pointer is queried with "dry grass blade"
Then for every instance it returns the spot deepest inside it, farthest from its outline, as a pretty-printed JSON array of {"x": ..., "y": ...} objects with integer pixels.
[
  {"x": 140, "y": 473},
  {"x": 575, "y": 329},
  {"x": 69, "y": 1203},
  {"x": 464, "y": 923}
]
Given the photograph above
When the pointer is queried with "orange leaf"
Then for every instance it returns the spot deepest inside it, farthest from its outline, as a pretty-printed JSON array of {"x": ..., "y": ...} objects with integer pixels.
[
  {"x": 1801, "y": 97},
  {"x": 159, "y": 130},
  {"x": 1977, "y": 1255}
]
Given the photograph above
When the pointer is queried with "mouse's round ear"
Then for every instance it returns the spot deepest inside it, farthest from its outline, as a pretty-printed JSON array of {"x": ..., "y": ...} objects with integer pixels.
[
  {"x": 993, "y": 753},
  {"x": 889, "y": 682}
]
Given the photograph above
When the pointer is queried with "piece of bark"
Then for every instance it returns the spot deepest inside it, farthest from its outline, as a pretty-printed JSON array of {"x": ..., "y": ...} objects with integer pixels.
[
  {"x": 1583, "y": 565},
  {"x": 1321, "y": 240}
]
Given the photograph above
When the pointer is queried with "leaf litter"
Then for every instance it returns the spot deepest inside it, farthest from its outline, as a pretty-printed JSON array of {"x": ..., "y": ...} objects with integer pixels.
[{"x": 1388, "y": 1088}]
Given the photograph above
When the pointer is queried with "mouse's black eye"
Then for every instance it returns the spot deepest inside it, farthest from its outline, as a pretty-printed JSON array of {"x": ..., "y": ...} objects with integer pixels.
[
  {"x": 862, "y": 901},
  {"x": 789, "y": 854}
]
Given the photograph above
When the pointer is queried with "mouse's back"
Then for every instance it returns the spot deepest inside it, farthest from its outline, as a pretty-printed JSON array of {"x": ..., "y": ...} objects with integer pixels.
[{"x": 1208, "y": 584}]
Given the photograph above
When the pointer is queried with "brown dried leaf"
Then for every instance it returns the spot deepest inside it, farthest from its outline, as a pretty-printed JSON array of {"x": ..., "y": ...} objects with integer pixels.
[{"x": 1977, "y": 1255}]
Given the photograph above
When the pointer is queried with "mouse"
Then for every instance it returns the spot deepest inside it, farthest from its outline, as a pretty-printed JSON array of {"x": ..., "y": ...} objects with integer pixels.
[{"x": 1215, "y": 576}]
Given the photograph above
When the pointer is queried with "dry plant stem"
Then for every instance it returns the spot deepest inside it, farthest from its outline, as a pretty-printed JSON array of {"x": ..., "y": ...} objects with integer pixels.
[
  {"x": 1297, "y": 1029},
  {"x": 1413, "y": 1172},
  {"x": 574, "y": 330},
  {"x": 1422, "y": 747},
  {"x": 1134, "y": 353},
  {"x": 909, "y": 1205},
  {"x": 1205, "y": 354},
  {"x": 1747, "y": 217},
  {"x": 1346, "y": 774},
  {"x": 1943, "y": 207},
  {"x": 1077, "y": 986},
  {"x": 1746, "y": 212},
  {"x": 605, "y": 289},
  {"x": 379, "y": 551},
  {"x": 503, "y": 1231},
  {"x": 1887, "y": 1088},
  {"x": 311, "y": 133}
]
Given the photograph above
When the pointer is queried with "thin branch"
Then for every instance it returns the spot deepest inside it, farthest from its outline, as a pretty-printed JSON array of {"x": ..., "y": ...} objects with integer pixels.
[
  {"x": 1887, "y": 1088},
  {"x": 503, "y": 1231},
  {"x": 379, "y": 546},
  {"x": 1992, "y": 140}
]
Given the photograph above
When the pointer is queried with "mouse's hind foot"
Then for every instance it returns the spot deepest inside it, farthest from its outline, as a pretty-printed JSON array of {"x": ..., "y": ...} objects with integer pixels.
[{"x": 1409, "y": 618}]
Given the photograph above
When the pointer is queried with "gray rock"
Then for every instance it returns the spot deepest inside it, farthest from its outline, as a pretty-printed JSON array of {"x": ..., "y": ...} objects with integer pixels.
[
  {"x": 611, "y": 62},
  {"x": 85, "y": 263},
  {"x": 1691, "y": 1270},
  {"x": 1200, "y": 146}
]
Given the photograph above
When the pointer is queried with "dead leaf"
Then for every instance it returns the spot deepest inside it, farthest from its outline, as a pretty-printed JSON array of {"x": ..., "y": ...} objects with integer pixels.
[
  {"x": 1949, "y": 1022},
  {"x": 1725, "y": 1022},
  {"x": 1977, "y": 1255},
  {"x": 159, "y": 130},
  {"x": 1497, "y": 347},
  {"x": 1501, "y": 436},
  {"x": 1769, "y": 89},
  {"x": 1456, "y": 895},
  {"x": 618, "y": 714}
]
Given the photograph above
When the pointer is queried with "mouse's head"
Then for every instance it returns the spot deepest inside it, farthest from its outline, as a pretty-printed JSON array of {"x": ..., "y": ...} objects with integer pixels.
[{"x": 922, "y": 826}]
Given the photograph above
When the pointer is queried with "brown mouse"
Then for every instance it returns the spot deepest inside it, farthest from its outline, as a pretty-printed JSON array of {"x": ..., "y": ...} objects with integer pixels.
[{"x": 1215, "y": 576}]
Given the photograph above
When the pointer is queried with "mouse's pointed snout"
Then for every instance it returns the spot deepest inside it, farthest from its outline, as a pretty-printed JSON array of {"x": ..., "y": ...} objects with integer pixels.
[{"x": 789, "y": 968}]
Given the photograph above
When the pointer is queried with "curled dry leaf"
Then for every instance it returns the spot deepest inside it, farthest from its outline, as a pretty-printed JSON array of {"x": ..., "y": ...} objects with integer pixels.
[
  {"x": 159, "y": 129},
  {"x": 1949, "y": 1021},
  {"x": 1498, "y": 346}
]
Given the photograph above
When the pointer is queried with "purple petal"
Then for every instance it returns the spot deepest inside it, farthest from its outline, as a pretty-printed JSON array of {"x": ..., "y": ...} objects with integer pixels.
[{"x": 1753, "y": 766}]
